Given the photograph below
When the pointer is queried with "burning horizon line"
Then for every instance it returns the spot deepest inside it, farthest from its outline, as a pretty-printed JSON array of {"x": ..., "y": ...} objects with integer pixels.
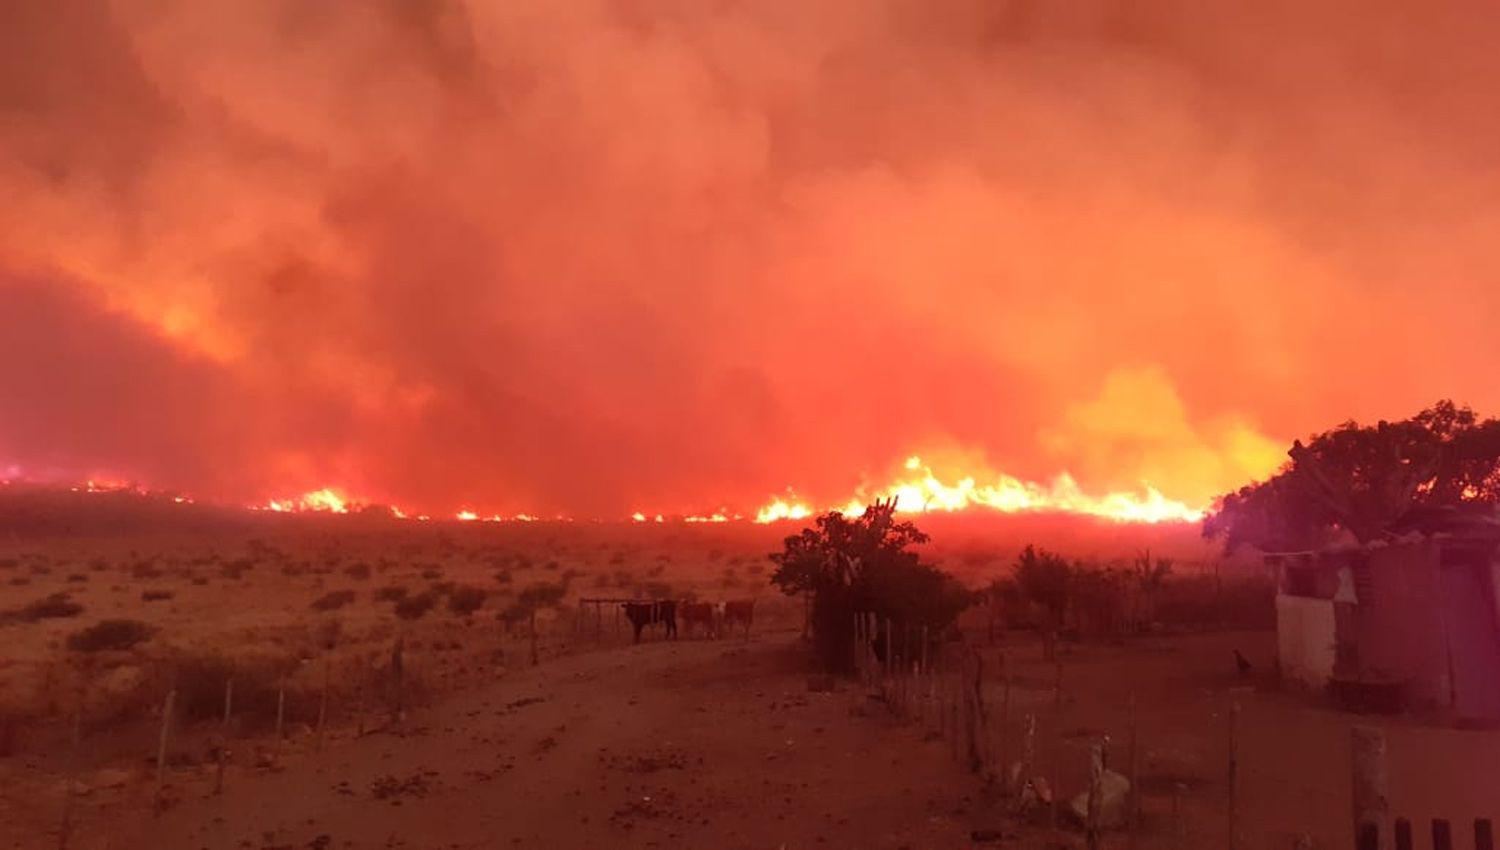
[{"x": 918, "y": 491}]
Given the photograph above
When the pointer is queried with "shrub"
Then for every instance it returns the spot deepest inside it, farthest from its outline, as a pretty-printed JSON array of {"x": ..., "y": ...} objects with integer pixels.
[
  {"x": 391, "y": 593},
  {"x": 110, "y": 635},
  {"x": 199, "y": 680},
  {"x": 144, "y": 569},
  {"x": 55, "y": 606},
  {"x": 432, "y": 574},
  {"x": 465, "y": 599},
  {"x": 413, "y": 607},
  {"x": 656, "y": 590},
  {"x": 77, "y": 578},
  {"x": 359, "y": 571},
  {"x": 333, "y": 600},
  {"x": 154, "y": 595}
]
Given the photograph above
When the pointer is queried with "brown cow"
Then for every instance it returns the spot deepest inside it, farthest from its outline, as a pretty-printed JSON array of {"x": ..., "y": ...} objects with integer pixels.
[
  {"x": 739, "y": 611},
  {"x": 696, "y": 613}
]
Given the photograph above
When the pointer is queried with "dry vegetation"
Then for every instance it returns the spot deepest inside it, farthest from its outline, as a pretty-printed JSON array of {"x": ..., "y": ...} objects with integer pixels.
[{"x": 312, "y": 611}]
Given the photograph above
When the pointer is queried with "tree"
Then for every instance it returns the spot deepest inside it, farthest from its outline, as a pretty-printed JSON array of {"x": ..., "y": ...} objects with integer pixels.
[
  {"x": 1364, "y": 479},
  {"x": 1045, "y": 578},
  {"x": 864, "y": 564},
  {"x": 1149, "y": 575}
]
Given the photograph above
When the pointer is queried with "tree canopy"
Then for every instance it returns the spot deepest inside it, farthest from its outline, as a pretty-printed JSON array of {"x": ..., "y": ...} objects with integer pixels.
[
  {"x": 864, "y": 563},
  {"x": 1365, "y": 478}
]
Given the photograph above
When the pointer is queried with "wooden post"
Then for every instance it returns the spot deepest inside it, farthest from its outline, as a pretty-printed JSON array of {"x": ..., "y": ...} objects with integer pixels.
[
  {"x": 161, "y": 747},
  {"x": 1092, "y": 826},
  {"x": 66, "y": 830},
  {"x": 1057, "y": 691},
  {"x": 323, "y": 703},
  {"x": 1004, "y": 743},
  {"x": 885, "y": 668},
  {"x": 360, "y": 683},
  {"x": 1133, "y": 813},
  {"x": 228, "y": 699},
  {"x": 398, "y": 676},
  {"x": 280, "y": 710},
  {"x": 534, "y": 658},
  {"x": 1028, "y": 753},
  {"x": 979, "y": 740},
  {"x": 1368, "y": 768},
  {"x": 1234, "y": 776}
]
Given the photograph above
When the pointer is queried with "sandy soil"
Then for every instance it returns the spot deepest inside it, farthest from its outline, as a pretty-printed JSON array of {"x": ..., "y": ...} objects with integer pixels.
[{"x": 693, "y": 743}]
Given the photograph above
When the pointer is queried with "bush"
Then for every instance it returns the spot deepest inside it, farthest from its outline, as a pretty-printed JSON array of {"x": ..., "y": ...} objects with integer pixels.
[
  {"x": 413, "y": 607},
  {"x": 391, "y": 593},
  {"x": 154, "y": 595},
  {"x": 77, "y": 578},
  {"x": 465, "y": 599},
  {"x": 55, "y": 606},
  {"x": 110, "y": 635},
  {"x": 359, "y": 571},
  {"x": 333, "y": 600},
  {"x": 144, "y": 569}
]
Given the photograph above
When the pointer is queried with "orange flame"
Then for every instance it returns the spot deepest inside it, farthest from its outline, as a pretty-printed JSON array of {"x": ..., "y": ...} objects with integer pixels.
[{"x": 920, "y": 490}]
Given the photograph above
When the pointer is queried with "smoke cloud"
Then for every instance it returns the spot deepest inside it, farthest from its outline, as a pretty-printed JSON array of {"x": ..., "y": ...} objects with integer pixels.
[{"x": 600, "y": 256}]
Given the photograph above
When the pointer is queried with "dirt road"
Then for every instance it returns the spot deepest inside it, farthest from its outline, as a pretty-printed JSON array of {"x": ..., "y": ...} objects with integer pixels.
[{"x": 686, "y": 744}]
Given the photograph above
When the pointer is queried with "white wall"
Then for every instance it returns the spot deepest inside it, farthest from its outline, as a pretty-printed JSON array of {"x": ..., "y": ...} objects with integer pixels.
[{"x": 1305, "y": 639}]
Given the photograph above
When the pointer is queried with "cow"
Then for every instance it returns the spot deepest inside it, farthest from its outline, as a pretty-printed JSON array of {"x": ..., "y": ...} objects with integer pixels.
[
  {"x": 643, "y": 614},
  {"x": 696, "y": 613},
  {"x": 739, "y": 611}
]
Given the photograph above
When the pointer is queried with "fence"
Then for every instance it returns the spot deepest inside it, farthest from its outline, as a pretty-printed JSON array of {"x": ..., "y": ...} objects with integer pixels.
[
  {"x": 1372, "y": 804},
  {"x": 974, "y": 704}
]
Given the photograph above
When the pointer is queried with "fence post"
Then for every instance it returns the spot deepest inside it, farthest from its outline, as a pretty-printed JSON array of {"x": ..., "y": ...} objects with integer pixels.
[
  {"x": 161, "y": 746},
  {"x": 67, "y": 816},
  {"x": 398, "y": 674},
  {"x": 1096, "y": 795},
  {"x": 1234, "y": 776},
  {"x": 1133, "y": 812},
  {"x": 323, "y": 702},
  {"x": 1368, "y": 769},
  {"x": 1004, "y": 744}
]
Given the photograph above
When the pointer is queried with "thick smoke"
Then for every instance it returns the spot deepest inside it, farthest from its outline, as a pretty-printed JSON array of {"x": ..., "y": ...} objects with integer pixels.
[{"x": 598, "y": 256}]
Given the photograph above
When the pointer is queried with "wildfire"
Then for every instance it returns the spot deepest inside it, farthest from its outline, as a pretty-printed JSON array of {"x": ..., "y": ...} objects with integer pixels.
[
  {"x": 920, "y": 490},
  {"x": 915, "y": 487},
  {"x": 326, "y": 500}
]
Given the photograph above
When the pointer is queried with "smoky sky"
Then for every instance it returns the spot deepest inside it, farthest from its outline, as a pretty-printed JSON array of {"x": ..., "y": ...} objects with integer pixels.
[{"x": 599, "y": 256}]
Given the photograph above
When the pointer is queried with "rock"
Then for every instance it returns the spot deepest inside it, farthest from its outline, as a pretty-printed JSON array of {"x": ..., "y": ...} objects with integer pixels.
[{"x": 1112, "y": 805}]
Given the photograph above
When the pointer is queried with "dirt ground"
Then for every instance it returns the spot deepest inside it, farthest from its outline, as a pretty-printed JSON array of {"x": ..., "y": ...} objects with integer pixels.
[{"x": 691, "y": 743}]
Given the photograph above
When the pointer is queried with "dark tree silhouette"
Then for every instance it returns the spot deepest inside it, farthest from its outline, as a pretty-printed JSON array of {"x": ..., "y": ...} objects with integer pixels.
[
  {"x": 864, "y": 563},
  {"x": 1046, "y": 578},
  {"x": 1364, "y": 479}
]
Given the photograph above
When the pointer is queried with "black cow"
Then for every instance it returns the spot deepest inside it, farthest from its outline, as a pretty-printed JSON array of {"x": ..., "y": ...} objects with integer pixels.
[{"x": 643, "y": 614}]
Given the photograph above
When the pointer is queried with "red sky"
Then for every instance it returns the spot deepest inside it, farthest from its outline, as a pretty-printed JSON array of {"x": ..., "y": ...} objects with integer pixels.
[{"x": 593, "y": 256}]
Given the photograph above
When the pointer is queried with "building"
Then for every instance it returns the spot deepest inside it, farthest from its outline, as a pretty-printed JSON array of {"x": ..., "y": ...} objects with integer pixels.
[{"x": 1412, "y": 622}]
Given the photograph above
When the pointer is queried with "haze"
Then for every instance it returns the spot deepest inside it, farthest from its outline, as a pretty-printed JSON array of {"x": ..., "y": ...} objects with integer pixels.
[{"x": 597, "y": 257}]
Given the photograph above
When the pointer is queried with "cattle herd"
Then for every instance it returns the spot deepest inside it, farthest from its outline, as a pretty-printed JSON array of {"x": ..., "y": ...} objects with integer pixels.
[{"x": 712, "y": 619}]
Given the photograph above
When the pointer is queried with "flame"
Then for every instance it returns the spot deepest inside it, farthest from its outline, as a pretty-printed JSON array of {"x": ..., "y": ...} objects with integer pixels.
[
  {"x": 326, "y": 500},
  {"x": 921, "y": 490},
  {"x": 470, "y": 516}
]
